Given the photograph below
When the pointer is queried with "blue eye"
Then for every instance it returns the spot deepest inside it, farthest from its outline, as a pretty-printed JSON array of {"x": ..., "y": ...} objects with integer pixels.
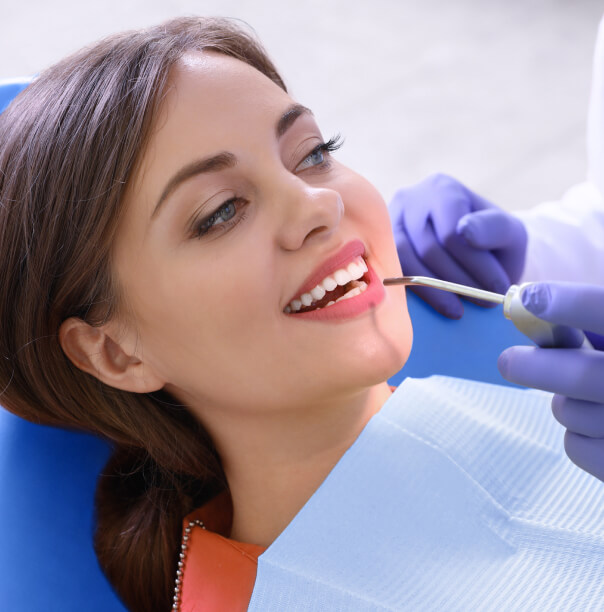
[
  {"x": 226, "y": 212},
  {"x": 220, "y": 217},
  {"x": 314, "y": 159},
  {"x": 317, "y": 156}
]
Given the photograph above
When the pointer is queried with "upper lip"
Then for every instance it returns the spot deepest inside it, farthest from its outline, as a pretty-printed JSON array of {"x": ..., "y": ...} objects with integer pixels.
[{"x": 338, "y": 260}]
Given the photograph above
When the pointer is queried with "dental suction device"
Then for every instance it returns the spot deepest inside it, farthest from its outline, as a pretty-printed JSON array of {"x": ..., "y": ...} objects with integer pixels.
[{"x": 542, "y": 333}]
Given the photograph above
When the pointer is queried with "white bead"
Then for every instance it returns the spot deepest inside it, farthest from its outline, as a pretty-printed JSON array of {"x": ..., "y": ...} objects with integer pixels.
[{"x": 179, "y": 571}]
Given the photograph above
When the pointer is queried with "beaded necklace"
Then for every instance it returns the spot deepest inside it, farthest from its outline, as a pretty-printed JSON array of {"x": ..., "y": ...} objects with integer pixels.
[{"x": 181, "y": 561}]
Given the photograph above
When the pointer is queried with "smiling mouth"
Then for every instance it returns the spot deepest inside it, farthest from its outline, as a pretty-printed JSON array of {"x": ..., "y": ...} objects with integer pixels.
[{"x": 343, "y": 284}]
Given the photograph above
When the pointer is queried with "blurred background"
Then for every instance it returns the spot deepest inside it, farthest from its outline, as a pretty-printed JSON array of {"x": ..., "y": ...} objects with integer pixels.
[{"x": 493, "y": 92}]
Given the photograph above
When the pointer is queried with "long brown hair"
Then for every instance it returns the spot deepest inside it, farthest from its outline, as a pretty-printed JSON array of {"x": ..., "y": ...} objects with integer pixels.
[{"x": 69, "y": 145}]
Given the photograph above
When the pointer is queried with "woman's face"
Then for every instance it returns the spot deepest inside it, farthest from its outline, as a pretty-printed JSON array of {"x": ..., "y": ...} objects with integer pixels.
[{"x": 236, "y": 215}]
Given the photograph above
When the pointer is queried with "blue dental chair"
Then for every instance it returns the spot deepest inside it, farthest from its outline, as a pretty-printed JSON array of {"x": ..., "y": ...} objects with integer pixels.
[
  {"x": 9, "y": 88},
  {"x": 48, "y": 475}
]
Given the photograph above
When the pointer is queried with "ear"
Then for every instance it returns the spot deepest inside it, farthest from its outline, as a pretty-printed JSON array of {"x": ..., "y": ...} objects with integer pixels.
[{"x": 93, "y": 350}]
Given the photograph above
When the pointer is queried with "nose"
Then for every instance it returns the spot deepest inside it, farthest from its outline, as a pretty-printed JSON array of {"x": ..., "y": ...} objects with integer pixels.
[{"x": 311, "y": 213}]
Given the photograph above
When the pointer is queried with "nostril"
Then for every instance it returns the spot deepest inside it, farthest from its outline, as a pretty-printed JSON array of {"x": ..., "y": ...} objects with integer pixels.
[{"x": 317, "y": 230}]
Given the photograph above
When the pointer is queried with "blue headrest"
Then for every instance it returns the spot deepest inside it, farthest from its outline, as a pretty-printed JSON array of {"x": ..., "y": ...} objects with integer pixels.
[
  {"x": 47, "y": 479},
  {"x": 9, "y": 88},
  {"x": 467, "y": 348}
]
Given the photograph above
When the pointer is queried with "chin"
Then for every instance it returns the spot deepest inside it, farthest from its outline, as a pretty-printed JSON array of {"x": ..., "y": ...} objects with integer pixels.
[
  {"x": 394, "y": 339},
  {"x": 379, "y": 357}
]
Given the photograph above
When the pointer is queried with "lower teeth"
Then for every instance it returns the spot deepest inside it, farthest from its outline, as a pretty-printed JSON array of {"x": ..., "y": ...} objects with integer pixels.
[
  {"x": 352, "y": 293},
  {"x": 359, "y": 287}
]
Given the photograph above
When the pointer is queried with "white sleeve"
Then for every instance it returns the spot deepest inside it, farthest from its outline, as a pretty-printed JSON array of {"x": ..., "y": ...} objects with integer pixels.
[
  {"x": 595, "y": 116},
  {"x": 566, "y": 237}
]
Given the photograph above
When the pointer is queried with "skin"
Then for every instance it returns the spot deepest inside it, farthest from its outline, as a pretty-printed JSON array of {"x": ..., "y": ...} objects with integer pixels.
[{"x": 202, "y": 317}]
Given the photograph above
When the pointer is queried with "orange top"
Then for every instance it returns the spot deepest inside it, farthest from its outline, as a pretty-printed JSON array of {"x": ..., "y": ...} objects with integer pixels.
[{"x": 219, "y": 573}]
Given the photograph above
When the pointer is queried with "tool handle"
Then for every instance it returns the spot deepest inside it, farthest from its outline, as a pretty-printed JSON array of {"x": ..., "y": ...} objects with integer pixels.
[{"x": 542, "y": 333}]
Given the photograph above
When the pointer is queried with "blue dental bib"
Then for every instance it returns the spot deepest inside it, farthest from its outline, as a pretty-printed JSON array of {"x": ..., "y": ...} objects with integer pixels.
[{"x": 457, "y": 495}]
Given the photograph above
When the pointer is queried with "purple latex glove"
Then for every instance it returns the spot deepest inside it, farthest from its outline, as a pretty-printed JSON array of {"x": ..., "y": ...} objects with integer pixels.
[
  {"x": 575, "y": 375},
  {"x": 444, "y": 230}
]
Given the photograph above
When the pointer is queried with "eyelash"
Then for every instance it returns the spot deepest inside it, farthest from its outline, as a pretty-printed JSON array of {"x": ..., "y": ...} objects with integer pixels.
[
  {"x": 207, "y": 225},
  {"x": 333, "y": 144}
]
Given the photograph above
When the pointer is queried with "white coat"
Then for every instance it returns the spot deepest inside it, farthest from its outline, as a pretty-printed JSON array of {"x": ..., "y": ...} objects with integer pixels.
[{"x": 566, "y": 237}]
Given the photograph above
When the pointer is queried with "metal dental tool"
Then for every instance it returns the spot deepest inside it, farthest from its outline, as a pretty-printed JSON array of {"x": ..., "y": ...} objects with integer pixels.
[{"x": 542, "y": 333}]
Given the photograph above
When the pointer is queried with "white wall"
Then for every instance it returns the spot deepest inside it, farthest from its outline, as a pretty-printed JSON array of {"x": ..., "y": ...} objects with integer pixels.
[{"x": 493, "y": 92}]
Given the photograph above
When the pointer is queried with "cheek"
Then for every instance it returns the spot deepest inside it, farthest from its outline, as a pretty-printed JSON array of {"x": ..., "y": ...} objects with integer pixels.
[
  {"x": 198, "y": 317},
  {"x": 369, "y": 208},
  {"x": 362, "y": 201},
  {"x": 364, "y": 205}
]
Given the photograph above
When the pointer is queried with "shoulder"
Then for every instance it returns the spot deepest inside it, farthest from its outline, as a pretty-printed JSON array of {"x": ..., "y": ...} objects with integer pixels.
[{"x": 217, "y": 573}]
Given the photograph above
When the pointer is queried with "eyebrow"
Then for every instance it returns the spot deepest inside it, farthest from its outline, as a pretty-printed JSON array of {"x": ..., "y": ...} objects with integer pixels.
[
  {"x": 224, "y": 160},
  {"x": 289, "y": 116}
]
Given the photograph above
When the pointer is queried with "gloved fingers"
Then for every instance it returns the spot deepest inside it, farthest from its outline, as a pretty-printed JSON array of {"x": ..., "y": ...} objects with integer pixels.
[
  {"x": 576, "y": 373},
  {"x": 431, "y": 210},
  {"x": 447, "y": 304},
  {"x": 478, "y": 202},
  {"x": 498, "y": 231},
  {"x": 482, "y": 266},
  {"x": 597, "y": 340},
  {"x": 428, "y": 214},
  {"x": 512, "y": 261},
  {"x": 411, "y": 207},
  {"x": 440, "y": 226},
  {"x": 585, "y": 418},
  {"x": 452, "y": 190},
  {"x": 490, "y": 229},
  {"x": 396, "y": 208},
  {"x": 587, "y": 453},
  {"x": 568, "y": 337},
  {"x": 446, "y": 215},
  {"x": 434, "y": 256},
  {"x": 572, "y": 304},
  {"x": 435, "y": 240}
]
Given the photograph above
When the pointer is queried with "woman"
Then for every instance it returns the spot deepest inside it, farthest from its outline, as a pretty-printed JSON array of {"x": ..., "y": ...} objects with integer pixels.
[
  {"x": 189, "y": 273},
  {"x": 172, "y": 269}
]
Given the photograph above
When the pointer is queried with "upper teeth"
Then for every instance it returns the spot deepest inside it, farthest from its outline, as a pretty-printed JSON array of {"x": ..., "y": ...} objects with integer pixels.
[{"x": 353, "y": 271}]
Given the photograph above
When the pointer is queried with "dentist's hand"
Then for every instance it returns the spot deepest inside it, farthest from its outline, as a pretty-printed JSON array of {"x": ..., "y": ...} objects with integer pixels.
[
  {"x": 575, "y": 375},
  {"x": 444, "y": 230}
]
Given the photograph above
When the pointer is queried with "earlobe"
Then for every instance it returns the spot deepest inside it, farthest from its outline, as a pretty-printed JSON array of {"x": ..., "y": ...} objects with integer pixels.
[{"x": 94, "y": 351}]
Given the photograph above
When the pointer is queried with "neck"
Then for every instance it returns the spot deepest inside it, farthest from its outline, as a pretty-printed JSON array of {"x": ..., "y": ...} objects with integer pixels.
[{"x": 274, "y": 463}]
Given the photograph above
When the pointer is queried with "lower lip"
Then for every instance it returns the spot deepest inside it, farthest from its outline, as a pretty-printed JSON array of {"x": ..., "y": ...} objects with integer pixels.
[{"x": 352, "y": 307}]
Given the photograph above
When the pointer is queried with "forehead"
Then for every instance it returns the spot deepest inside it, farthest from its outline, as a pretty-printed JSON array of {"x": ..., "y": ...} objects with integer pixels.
[
  {"x": 213, "y": 103},
  {"x": 209, "y": 94}
]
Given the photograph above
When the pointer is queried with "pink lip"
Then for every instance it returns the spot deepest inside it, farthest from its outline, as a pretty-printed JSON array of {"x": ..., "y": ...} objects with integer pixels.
[
  {"x": 352, "y": 307},
  {"x": 341, "y": 259}
]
